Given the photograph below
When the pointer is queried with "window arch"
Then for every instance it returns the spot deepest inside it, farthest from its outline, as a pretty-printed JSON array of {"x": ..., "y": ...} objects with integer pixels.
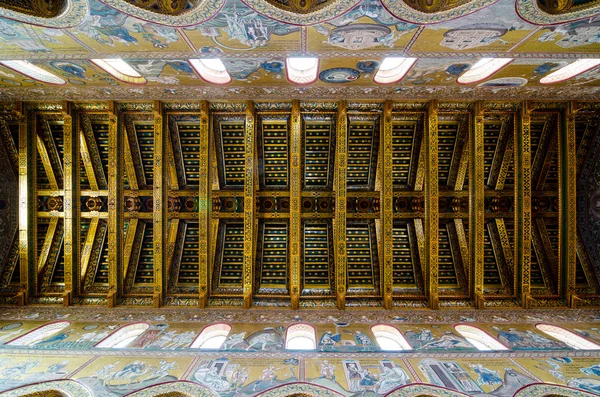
[
  {"x": 39, "y": 333},
  {"x": 389, "y": 338},
  {"x": 300, "y": 337},
  {"x": 302, "y": 70},
  {"x": 479, "y": 338},
  {"x": 123, "y": 336},
  {"x": 569, "y": 338},
  {"x": 211, "y": 337}
]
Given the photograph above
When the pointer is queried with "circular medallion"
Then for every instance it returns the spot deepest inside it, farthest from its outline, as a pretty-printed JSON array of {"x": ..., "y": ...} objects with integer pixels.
[
  {"x": 90, "y": 327},
  {"x": 339, "y": 75}
]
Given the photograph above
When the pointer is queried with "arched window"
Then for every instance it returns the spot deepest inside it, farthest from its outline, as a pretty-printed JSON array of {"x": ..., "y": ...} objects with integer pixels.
[
  {"x": 123, "y": 336},
  {"x": 479, "y": 338},
  {"x": 35, "y": 72},
  {"x": 483, "y": 69},
  {"x": 393, "y": 70},
  {"x": 570, "y": 71},
  {"x": 567, "y": 337},
  {"x": 302, "y": 70},
  {"x": 389, "y": 338},
  {"x": 211, "y": 70},
  {"x": 39, "y": 333},
  {"x": 300, "y": 337},
  {"x": 120, "y": 70},
  {"x": 211, "y": 337}
]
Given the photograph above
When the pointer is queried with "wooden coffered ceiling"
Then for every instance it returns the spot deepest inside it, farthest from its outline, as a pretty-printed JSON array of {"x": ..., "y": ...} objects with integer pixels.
[{"x": 299, "y": 204}]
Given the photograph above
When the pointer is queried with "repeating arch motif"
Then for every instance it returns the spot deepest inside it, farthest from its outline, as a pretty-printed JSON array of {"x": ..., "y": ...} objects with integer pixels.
[
  {"x": 123, "y": 334},
  {"x": 420, "y": 390},
  {"x": 404, "y": 12},
  {"x": 530, "y": 11},
  {"x": 332, "y": 9},
  {"x": 63, "y": 387},
  {"x": 548, "y": 390},
  {"x": 176, "y": 388},
  {"x": 201, "y": 12},
  {"x": 39, "y": 333},
  {"x": 72, "y": 15},
  {"x": 301, "y": 389}
]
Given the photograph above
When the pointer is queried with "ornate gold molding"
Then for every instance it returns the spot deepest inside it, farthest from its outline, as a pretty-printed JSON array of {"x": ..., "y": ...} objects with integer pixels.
[
  {"x": 523, "y": 203},
  {"x": 204, "y": 207},
  {"x": 477, "y": 205},
  {"x": 295, "y": 207},
  {"x": 115, "y": 205},
  {"x": 339, "y": 229},
  {"x": 159, "y": 203},
  {"x": 387, "y": 210},
  {"x": 431, "y": 220},
  {"x": 249, "y": 203},
  {"x": 567, "y": 191},
  {"x": 26, "y": 200}
]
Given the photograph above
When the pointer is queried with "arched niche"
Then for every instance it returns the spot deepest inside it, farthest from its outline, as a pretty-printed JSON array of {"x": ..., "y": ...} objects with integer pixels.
[
  {"x": 424, "y": 12},
  {"x": 552, "y": 12},
  {"x": 302, "y": 12},
  {"x": 56, "y": 388},
  {"x": 179, "y": 388},
  {"x": 39, "y": 333},
  {"x": 53, "y": 14},
  {"x": 123, "y": 336},
  {"x": 424, "y": 390},
  {"x": 299, "y": 389},
  {"x": 550, "y": 390},
  {"x": 176, "y": 13}
]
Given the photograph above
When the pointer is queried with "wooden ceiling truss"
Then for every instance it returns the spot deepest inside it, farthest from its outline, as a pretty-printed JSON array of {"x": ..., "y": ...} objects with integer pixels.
[{"x": 298, "y": 204}]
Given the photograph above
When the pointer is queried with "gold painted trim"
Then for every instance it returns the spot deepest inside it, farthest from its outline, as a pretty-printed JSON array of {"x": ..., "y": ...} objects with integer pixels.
[
  {"x": 27, "y": 174},
  {"x": 477, "y": 205},
  {"x": 204, "y": 205},
  {"x": 249, "y": 203},
  {"x": 523, "y": 226},
  {"x": 387, "y": 210},
  {"x": 339, "y": 229},
  {"x": 295, "y": 207},
  {"x": 159, "y": 218},
  {"x": 117, "y": 264},
  {"x": 71, "y": 206},
  {"x": 431, "y": 220}
]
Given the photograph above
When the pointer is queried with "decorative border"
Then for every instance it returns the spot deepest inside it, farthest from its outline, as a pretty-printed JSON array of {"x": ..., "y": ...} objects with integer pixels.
[
  {"x": 333, "y": 10},
  {"x": 530, "y": 12},
  {"x": 75, "y": 13},
  {"x": 202, "y": 12},
  {"x": 68, "y": 386},
  {"x": 396, "y": 93},
  {"x": 173, "y": 388},
  {"x": 263, "y": 316},
  {"x": 405, "y": 13},
  {"x": 544, "y": 389}
]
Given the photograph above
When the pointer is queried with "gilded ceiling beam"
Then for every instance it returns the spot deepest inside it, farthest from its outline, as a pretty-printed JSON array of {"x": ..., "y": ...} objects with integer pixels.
[
  {"x": 567, "y": 191},
  {"x": 159, "y": 212},
  {"x": 71, "y": 205},
  {"x": 431, "y": 219},
  {"x": 88, "y": 246},
  {"x": 295, "y": 207},
  {"x": 477, "y": 205},
  {"x": 204, "y": 207},
  {"x": 339, "y": 230},
  {"x": 250, "y": 181},
  {"x": 387, "y": 206},
  {"x": 87, "y": 160},
  {"x": 43, "y": 152},
  {"x": 26, "y": 209},
  {"x": 115, "y": 205},
  {"x": 523, "y": 203}
]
